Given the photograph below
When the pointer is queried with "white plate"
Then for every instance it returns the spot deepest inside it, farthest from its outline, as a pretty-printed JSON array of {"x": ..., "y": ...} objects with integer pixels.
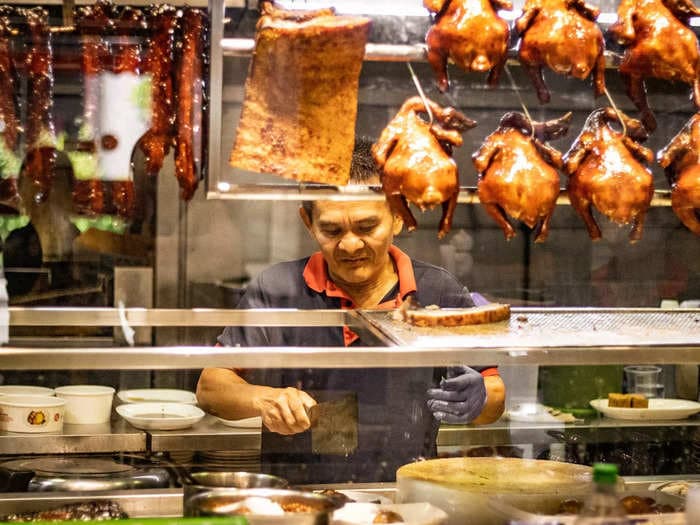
[
  {"x": 249, "y": 422},
  {"x": 412, "y": 513},
  {"x": 659, "y": 408},
  {"x": 160, "y": 416},
  {"x": 157, "y": 395}
]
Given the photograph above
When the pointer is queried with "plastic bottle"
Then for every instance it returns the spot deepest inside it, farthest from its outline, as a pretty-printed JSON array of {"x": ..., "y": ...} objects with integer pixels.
[{"x": 603, "y": 506}]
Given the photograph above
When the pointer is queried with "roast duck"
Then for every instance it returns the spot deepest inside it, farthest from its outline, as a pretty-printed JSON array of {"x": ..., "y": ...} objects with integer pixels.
[
  {"x": 562, "y": 35},
  {"x": 659, "y": 43},
  {"x": 471, "y": 34},
  {"x": 414, "y": 157},
  {"x": 518, "y": 174},
  {"x": 681, "y": 162},
  {"x": 607, "y": 169},
  {"x": 300, "y": 104}
]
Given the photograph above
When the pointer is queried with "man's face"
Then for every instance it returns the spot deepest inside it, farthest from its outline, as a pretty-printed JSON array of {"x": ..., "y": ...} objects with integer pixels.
[{"x": 354, "y": 238}]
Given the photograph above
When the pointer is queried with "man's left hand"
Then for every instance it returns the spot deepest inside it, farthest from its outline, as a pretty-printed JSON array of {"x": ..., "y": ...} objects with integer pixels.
[{"x": 460, "y": 398}]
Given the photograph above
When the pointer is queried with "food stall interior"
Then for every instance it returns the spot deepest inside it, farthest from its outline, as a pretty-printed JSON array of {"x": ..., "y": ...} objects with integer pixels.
[{"x": 134, "y": 298}]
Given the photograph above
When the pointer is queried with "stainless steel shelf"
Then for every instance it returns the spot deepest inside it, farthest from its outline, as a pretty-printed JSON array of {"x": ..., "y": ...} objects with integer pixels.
[
  {"x": 208, "y": 434},
  {"x": 154, "y": 317},
  {"x": 243, "y": 47},
  {"x": 110, "y": 437},
  {"x": 505, "y": 432}
]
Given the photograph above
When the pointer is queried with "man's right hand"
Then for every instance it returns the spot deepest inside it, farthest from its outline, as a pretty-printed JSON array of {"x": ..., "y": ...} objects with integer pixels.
[{"x": 285, "y": 410}]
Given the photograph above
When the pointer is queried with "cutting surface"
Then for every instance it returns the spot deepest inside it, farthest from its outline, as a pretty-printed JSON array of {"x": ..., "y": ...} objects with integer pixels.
[{"x": 555, "y": 327}]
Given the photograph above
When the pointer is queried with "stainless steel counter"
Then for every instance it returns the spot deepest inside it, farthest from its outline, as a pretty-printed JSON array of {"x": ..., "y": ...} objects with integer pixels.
[
  {"x": 208, "y": 434},
  {"x": 118, "y": 435},
  {"x": 551, "y": 336}
]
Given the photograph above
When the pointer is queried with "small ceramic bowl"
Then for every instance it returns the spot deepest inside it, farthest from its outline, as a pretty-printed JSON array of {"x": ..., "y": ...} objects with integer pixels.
[
  {"x": 31, "y": 413},
  {"x": 87, "y": 404}
]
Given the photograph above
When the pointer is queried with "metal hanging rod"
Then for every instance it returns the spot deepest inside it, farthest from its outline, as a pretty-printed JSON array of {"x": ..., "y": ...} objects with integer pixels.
[
  {"x": 243, "y": 47},
  {"x": 293, "y": 192}
]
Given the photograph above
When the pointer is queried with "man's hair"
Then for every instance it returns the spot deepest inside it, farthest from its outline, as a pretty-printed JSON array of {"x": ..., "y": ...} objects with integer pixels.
[{"x": 363, "y": 168}]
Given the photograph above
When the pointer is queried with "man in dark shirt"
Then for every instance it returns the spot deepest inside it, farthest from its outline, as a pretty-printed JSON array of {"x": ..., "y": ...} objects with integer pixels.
[{"x": 399, "y": 409}]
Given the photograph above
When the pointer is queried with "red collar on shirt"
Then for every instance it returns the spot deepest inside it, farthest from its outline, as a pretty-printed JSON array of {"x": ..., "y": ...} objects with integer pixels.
[{"x": 316, "y": 278}]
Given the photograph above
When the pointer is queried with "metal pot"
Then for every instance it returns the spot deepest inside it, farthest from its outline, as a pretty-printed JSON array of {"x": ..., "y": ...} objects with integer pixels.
[
  {"x": 462, "y": 487},
  {"x": 65, "y": 474},
  {"x": 229, "y": 502},
  {"x": 197, "y": 482}
]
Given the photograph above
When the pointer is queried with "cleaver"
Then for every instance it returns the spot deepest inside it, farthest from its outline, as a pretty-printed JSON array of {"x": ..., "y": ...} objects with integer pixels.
[{"x": 334, "y": 426}]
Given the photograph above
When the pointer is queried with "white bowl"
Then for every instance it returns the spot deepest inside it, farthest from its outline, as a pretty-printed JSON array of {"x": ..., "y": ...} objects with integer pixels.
[
  {"x": 25, "y": 390},
  {"x": 157, "y": 395},
  {"x": 160, "y": 416},
  {"x": 31, "y": 413},
  {"x": 87, "y": 404}
]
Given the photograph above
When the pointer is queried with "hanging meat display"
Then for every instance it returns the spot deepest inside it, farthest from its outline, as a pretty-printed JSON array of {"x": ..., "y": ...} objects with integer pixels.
[
  {"x": 298, "y": 117},
  {"x": 88, "y": 189},
  {"x": 681, "y": 162},
  {"x": 9, "y": 123},
  {"x": 415, "y": 160},
  {"x": 608, "y": 169},
  {"x": 158, "y": 62},
  {"x": 190, "y": 102},
  {"x": 660, "y": 44},
  {"x": 124, "y": 110},
  {"x": 40, "y": 136},
  {"x": 518, "y": 174},
  {"x": 563, "y": 36},
  {"x": 471, "y": 34}
]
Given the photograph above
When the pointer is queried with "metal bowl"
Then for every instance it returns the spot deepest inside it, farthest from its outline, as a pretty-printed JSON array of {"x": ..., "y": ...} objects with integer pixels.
[
  {"x": 228, "y": 502},
  {"x": 204, "y": 481}
]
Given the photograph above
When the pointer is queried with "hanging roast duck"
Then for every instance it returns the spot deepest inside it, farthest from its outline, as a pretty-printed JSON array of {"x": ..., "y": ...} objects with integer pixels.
[
  {"x": 608, "y": 169},
  {"x": 562, "y": 35},
  {"x": 681, "y": 162},
  {"x": 415, "y": 160},
  {"x": 659, "y": 44},
  {"x": 518, "y": 174},
  {"x": 471, "y": 34}
]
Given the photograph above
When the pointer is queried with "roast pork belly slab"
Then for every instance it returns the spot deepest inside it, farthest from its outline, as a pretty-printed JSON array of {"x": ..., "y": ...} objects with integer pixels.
[{"x": 300, "y": 106}]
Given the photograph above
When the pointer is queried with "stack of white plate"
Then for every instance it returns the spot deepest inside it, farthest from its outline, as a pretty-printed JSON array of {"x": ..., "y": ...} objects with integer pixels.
[{"x": 247, "y": 460}]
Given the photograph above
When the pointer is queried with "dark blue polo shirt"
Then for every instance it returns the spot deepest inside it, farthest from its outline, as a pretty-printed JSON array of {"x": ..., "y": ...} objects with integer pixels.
[{"x": 394, "y": 424}]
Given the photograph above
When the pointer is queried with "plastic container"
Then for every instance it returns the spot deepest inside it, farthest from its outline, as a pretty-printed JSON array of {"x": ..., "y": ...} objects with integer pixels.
[
  {"x": 31, "y": 413},
  {"x": 87, "y": 404},
  {"x": 25, "y": 390},
  {"x": 602, "y": 506}
]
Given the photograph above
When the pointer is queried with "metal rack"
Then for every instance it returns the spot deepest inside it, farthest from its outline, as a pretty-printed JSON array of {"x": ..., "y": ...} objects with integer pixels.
[{"x": 374, "y": 52}]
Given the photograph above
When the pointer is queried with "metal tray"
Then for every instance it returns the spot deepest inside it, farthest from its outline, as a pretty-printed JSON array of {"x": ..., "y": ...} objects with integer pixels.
[{"x": 553, "y": 327}]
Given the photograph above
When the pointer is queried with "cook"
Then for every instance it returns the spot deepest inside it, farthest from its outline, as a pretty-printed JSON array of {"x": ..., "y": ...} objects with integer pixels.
[{"x": 398, "y": 409}]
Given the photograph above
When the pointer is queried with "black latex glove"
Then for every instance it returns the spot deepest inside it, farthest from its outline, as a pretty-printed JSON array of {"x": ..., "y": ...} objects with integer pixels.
[{"x": 461, "y": 396}]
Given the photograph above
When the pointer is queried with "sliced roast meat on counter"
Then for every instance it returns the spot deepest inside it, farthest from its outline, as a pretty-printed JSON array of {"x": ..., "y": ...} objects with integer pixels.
[{"x": 300, "y": 106}]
